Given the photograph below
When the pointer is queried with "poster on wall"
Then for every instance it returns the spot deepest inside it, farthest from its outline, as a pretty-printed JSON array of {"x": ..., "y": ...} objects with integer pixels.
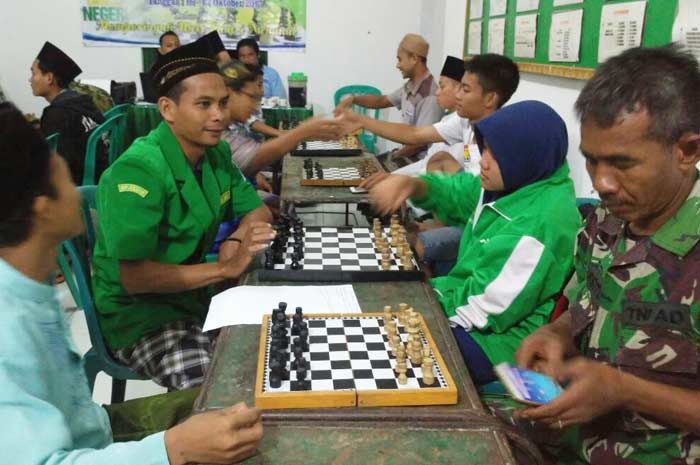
[
  {"x": 621, "y": 26},
  {"x": 275, "y": 24},
  {"x": 527, "y": 5},
  {"x": 497, "y": 35},
  {"x": 565, "y": 36},
  {"x": 686, "y": 28},
  {"x": 474, "y": 47},
  {"x": 525, "y": 36}
]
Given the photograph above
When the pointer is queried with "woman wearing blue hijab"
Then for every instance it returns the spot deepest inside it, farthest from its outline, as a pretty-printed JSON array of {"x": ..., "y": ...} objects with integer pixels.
[{"x": 520, "y": 222}]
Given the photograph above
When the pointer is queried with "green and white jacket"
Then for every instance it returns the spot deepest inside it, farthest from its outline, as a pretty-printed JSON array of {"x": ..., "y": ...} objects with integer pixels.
[{"x": 514, "y": 258}]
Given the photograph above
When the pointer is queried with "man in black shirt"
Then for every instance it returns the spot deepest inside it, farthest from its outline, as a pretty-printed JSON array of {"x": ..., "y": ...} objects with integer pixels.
[{"x": 70, "y": 114}]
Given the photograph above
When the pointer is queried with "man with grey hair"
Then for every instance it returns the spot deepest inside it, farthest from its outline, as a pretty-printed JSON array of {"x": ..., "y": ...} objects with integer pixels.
[
  {"x": 415, "y": 99},
  {"x": 627, "y": 348}
]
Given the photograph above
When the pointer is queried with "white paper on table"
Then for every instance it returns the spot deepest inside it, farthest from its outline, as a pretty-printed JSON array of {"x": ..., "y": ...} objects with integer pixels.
[
  {"x": 621, "y": 26},
  {"x": 525, "y": 36},
  {"x": 497, "y": 35},
  {"x": 498, "y": 7},
  {"x": 476, "y": 10},
  {"x": 474, "y": 46},
  {"x": 686, "y": 27},
  {"x": 527, "y": 5},
  {"x": 246, "y": 305},
  {"x": 565, "y": 36},
  {"x": 566, "y": 2}
]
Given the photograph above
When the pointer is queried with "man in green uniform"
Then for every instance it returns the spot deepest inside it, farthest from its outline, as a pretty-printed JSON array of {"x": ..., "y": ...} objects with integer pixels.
[
  {"x": 159, "y": 207},
  {"x": 628, "y": 346}
]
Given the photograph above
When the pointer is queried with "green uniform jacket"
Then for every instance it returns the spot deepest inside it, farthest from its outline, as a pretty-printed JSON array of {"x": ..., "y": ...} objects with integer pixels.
[
  {"x": 151, "y": 206},
  {"x": 514, "y": 258}
]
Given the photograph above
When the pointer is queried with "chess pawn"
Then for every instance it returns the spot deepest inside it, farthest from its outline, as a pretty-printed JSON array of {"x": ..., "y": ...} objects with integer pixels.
[
  {"x": 416, "y": 357},
  {"x": 395, "y": 341},
  {"x": 407, "y": 263},
  {"x": 400, "y": 352},
  {"x": 426, "y": 352},
  {"x": 386, "y": 265},
  {"x": 427, "y": 369}
]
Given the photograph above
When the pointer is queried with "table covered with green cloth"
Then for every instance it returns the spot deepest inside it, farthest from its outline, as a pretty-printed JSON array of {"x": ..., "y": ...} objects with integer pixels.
[
  {"x": 447, "y": 434},
  {"x": 273, "y": 116},
  {"x": 140, "y": 120}
]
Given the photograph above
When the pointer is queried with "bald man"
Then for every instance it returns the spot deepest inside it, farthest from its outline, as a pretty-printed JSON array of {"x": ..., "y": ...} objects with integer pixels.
[{"x": 415, "y": 99}]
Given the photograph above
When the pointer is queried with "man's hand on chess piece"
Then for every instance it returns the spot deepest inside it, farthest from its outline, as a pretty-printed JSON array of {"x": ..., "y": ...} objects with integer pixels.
[
  {"x": 228, "y": 435},
  {"x": 253, "y": 239},
  {"x": 321, "y": 129},
  {"x": 389, "y": 194},
  {"x": 372, "y": 180}
]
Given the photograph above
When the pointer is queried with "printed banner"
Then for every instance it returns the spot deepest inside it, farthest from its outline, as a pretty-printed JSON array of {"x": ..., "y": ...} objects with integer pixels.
[{"x": 139, "y": 23}]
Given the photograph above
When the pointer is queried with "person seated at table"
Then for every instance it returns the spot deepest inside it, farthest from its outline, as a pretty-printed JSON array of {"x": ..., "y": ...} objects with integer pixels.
[
  {"x": 627, "y": 348},
  {"x": 248, "y": 52},
  {"x": 520, "y": 221},
  {"x": 415, "y": 99},
  {"x": 248, "y": 154},
  {"x": 435, "y": 245},
  {"x": 70, "y": 114},
  {"x": 45, "y": 399},
  {"x": 486, "y": 84},
  {"x": 159, "y": 208}
]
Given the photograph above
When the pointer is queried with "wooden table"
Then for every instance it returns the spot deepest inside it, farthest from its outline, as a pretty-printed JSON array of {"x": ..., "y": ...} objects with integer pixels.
[
  {"x": 293, "y": 192},
  {"x": 461, "y": 433}
]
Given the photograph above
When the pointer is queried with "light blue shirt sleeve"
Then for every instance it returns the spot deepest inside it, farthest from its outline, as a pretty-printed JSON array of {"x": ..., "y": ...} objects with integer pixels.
[
  {"x": 47, "y": 411},
  {"x": 272, "y": 84}
]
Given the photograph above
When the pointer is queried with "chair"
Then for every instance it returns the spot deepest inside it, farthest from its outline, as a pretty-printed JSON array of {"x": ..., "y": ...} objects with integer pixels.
[
  {"x": 111, "y": 133},
  {"x": 74, "y": 263},
  {"x": 52, "y": 140},
  {"x": 368, "y": 140},
  {"x": 117, "y": 110}
]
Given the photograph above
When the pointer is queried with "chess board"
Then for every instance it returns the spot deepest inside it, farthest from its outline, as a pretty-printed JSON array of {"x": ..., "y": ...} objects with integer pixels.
[
  {"x": 340, "y": 254},
  {"x": 351, "y": 364},
  {"x": 317, "y": 148},
  {"x": 333, "y": 176}
]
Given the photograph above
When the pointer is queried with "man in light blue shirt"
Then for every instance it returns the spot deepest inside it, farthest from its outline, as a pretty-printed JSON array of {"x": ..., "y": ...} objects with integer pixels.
[
  {"x": 249, "y": 54},
  {"x": 45, "y": 404}
]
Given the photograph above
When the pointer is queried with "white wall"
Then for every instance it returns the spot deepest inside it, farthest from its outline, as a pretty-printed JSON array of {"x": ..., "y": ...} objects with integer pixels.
[{"x": 348, "y": 42}]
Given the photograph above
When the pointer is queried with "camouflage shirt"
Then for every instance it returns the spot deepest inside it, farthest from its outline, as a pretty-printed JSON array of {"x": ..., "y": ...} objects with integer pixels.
[
  {"x": 100, "y": 97},
  {"x": 636, "y": 308}
]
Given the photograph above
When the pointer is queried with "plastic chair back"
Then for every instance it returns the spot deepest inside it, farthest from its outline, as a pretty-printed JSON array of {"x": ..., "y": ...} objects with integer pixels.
[
  {"x": 112, "y": 134},
  {"x": 367, "y": 139},
  {"x": 74, "y": 262},
  {"x": 52, "y": 140},
  {"x": 117, "y": 110}
]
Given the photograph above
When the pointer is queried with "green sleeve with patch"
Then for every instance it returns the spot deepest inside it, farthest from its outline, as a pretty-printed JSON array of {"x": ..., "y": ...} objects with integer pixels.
[
  {"x": 130, "y": 206},
  {"x": 452, "y": 199}
]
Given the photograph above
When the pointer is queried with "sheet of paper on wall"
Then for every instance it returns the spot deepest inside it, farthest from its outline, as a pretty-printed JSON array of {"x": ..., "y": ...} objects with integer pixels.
[
  {"x": 566, "y": 2},
  {"x": 565, "y": 36},
  {"x": 474, "y": 46},
  {"x": 527, "y": 5},
  {"x": 621, "y": 26},
  {"x": 498, "y": 7},
  {"x": 497, "y": 35},
  {"x": 247, "y": 304},
  {"x": 476, "y": 9},
  {"x": 525, "y": 36},
  {"x": 686, "y": 28}
]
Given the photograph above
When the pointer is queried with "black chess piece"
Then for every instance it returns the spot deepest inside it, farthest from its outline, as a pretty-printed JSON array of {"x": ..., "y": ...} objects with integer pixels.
[
  {"x": 303, "y": 384},
  {"x": 275, "y": 380},
  {"x": 282, "y": 306},
  {"x": 295, "y": 262}
]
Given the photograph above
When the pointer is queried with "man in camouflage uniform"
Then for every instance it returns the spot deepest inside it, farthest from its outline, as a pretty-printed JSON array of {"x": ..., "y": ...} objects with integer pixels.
[
  {"x": 627, "y": 349},
  {"x": 102, "y": 100}
]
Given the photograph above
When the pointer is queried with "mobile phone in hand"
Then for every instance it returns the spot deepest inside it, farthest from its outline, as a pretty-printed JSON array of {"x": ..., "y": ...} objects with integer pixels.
[{"x": 527, "y": 386}]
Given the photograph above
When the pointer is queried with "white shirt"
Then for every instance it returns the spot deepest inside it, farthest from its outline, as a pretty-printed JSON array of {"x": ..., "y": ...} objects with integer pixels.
[{"x": 457, "y": 130}]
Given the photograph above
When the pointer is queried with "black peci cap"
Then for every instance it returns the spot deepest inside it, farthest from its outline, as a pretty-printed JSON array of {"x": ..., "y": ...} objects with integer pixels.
[
  {"x": 453, "y": 68},
  {"x": 56, "y": 61},
  {"x": 181, "y": 63}
]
